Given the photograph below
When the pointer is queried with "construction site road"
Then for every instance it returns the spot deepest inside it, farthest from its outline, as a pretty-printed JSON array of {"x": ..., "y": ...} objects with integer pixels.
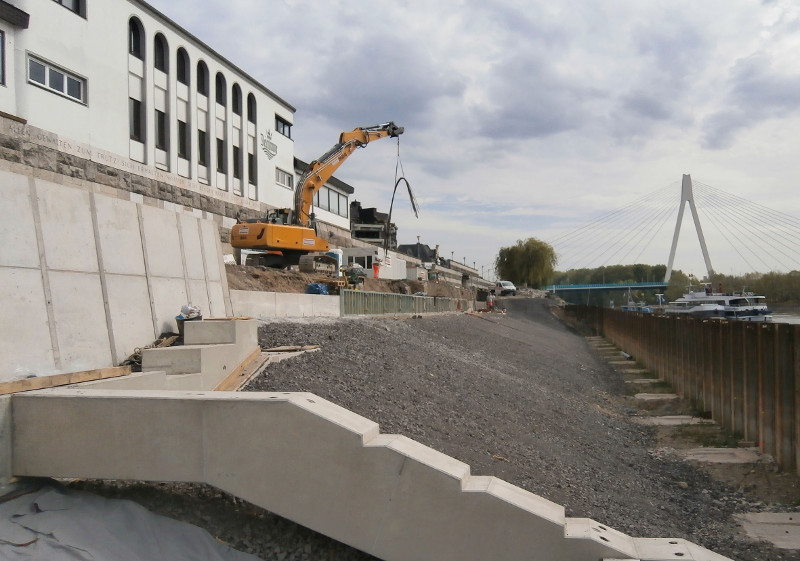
[{"x": 516, "y": 395}]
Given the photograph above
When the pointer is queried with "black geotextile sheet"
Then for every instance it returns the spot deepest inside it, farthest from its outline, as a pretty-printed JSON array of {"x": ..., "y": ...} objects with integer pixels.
[{"x": 66, "y": 525}]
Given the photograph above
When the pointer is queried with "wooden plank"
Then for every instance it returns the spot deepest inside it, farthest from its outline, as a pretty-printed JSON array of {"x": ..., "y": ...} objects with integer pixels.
[
  {"x": 291, "y": 348},
  {"x": 42, "y": 382},
  {"x": 232, "y": 381},
  {"x": 228, "y": 319}
]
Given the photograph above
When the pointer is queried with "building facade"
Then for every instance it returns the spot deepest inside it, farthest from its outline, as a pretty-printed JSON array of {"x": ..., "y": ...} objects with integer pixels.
[{"x": 118, "y": 84}]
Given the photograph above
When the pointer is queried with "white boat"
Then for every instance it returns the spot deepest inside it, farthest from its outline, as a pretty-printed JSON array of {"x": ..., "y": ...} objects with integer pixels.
[{"x": 703, "y": 302}]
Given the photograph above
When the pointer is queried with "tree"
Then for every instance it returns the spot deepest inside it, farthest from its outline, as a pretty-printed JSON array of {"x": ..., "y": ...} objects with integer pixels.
[{"x": 528, "y": 263}]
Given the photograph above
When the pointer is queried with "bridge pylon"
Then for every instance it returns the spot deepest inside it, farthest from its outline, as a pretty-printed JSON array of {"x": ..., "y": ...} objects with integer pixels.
[{"x": 687, "y": 196}]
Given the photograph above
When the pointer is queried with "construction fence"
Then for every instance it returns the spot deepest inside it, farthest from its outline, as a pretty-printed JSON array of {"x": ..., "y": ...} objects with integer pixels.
[
  {"x": 746, "y": 376},
  {"x": 358, "y": 302}
]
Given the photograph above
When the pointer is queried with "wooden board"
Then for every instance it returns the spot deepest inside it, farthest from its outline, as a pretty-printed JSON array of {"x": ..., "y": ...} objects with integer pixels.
[
  {"x": 41, "y": 382},
  {"x": 237, "y": 377},
  {"x": 291, "y": 348}
]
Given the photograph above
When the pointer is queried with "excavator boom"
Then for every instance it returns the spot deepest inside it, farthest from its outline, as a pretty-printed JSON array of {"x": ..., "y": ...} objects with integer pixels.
[
  {"x": 284, "y": 237},
  {"x": 321, "y": 170}
]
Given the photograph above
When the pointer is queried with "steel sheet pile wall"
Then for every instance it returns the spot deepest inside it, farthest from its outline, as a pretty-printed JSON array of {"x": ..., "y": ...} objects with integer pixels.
[
  {"x": 745, "y": 375},
  {"x": 358, "y": 302}
]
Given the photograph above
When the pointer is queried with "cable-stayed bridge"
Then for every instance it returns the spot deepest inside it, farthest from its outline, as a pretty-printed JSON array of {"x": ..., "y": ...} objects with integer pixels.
[{"x": 753, "y": 236}]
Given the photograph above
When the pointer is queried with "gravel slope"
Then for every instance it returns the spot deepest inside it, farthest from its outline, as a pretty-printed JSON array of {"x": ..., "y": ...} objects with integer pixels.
[
  {"x": 520, "y": 397},
  {"x": 517, "y": 396}
]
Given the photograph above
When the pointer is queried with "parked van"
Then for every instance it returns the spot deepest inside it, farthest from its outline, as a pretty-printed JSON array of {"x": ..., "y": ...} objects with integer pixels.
[{"x": 504, "y": 288}]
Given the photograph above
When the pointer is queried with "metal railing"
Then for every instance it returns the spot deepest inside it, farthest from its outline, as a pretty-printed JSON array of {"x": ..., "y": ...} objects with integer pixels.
[
  {"x": 745, "y": 375},
  {"x": 359, "y": 302}
]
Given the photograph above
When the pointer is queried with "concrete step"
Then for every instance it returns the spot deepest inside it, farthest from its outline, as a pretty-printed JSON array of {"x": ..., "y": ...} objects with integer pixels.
[{"x": 313, "y": 462}]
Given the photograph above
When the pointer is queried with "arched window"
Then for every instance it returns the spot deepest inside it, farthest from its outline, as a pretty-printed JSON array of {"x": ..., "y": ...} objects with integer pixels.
[
  {"x": 136, "y": 38},
  {"x": 161, "y": 54},
  {"x": 251, "y": 108},
  {"x": 236, "y": 101},
  {"x": 183, "y": 66},
  {"x": 221, "y": 93},
  {"x": 202, "y": 78}
]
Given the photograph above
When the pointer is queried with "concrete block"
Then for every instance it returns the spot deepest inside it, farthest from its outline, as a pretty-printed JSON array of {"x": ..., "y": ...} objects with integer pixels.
[
  {"x": 241, "y": 331},
  {"x": 80, "y": 321},
  {"x": 782, "y": 529},
  {"x": 722, "y": 455},
  {"x": 119, "y": 236},
  {"x": 25, "y": 346},
  {"x": 19, "y": 247},
  {"x": 186, "y": 359},
  {"x": 162, "y": 243},
  {"x": 67, "y": 230}
]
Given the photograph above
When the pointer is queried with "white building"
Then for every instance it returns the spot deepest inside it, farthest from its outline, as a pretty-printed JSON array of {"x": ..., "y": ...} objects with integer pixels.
[{"x": 118, "y": 83}]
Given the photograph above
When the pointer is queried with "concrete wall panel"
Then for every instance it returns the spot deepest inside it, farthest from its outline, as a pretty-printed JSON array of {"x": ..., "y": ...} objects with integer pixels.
[
  {"x": 19, "y": 247},
  {"x": 67, "y": 231},
  {"x": 80, "y": 320},
  {"x": 131, "y": 317},
  {"x": 212, "y": 250},
  {"x": 327, "y": 306},
  {"x": 190, "y": 232},
  {"x": 216, "y": 295},
  {"x": 103, "y": 431},
  {"x": 198, "y": 296},
  {"x": 119, "y": 236},
  {"x": 169, "y": 295},
  {"x": 162, "y": 243},
  {"x": 253, "y": 303},
  {"x": 294, "y": 306},
  {"x": 24, "y": 334}
]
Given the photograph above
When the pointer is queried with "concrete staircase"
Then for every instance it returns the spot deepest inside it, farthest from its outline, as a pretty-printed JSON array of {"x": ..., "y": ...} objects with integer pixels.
[{"x": 302, "y": 457}]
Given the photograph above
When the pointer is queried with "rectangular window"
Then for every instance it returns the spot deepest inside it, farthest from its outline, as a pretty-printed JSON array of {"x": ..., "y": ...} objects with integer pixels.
[
  {"x": 56, "y": 79},
  {"x": 183, "y": 140},
  {"x": 72, "y": 5},
  {"x": 251, "y": 168},
  {"x": 220, "y": 155},
  {"x": 284, "y": 179},
  {"x": 237, "y": 162},
  {"x": 202, "y": 148},
  {"x": 2, "y": 57},
  {"x": 161, "y": 130},
  {"x": 283, "y": 126},
  {"x": 136, "y": 120},
  {"x": 343, "y": 206}
]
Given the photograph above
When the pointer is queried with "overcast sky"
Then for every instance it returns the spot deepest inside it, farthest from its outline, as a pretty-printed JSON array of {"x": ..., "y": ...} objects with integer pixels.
[{"x": 530, "y": 119}]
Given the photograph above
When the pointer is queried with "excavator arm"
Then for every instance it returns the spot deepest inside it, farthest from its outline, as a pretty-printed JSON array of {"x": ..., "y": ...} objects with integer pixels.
[{"x": 321, "y": 170}]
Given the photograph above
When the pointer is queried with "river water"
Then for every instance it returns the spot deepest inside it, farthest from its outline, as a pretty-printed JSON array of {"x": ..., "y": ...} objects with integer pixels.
[{"x": 785, "y": 318}]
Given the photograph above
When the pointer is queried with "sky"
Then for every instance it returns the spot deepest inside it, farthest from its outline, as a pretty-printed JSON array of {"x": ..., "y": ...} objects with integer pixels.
[{"x": 530, "y": 118}]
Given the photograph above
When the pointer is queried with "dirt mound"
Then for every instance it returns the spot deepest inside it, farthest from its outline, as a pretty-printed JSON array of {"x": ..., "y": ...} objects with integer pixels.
[{"x": 242, "y": 277}]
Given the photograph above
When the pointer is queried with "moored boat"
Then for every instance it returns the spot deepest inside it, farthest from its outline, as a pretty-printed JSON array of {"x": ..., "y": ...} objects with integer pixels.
[{"x": 704, "y": 302}]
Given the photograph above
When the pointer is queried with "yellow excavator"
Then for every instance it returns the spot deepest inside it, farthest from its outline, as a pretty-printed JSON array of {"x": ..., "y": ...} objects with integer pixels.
[{"x": 288, "y": 236}]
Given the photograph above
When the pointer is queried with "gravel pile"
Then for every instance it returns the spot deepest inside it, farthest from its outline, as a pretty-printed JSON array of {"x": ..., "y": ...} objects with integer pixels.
[{"x": 514, "y": 395}]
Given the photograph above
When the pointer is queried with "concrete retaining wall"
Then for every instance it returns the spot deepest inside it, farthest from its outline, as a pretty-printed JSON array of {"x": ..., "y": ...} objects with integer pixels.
[
  {"x": 86, "y": 278},
  {"x": 266, "y": 305},
  {"x": 318, "y": 464}
]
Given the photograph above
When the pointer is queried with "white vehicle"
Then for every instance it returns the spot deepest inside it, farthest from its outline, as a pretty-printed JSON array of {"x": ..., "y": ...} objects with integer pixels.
[{"x": 504, "y": 288}]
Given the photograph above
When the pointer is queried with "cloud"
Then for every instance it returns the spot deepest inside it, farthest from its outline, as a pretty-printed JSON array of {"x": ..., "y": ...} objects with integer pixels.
[{"x": 757, "y": 92}]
